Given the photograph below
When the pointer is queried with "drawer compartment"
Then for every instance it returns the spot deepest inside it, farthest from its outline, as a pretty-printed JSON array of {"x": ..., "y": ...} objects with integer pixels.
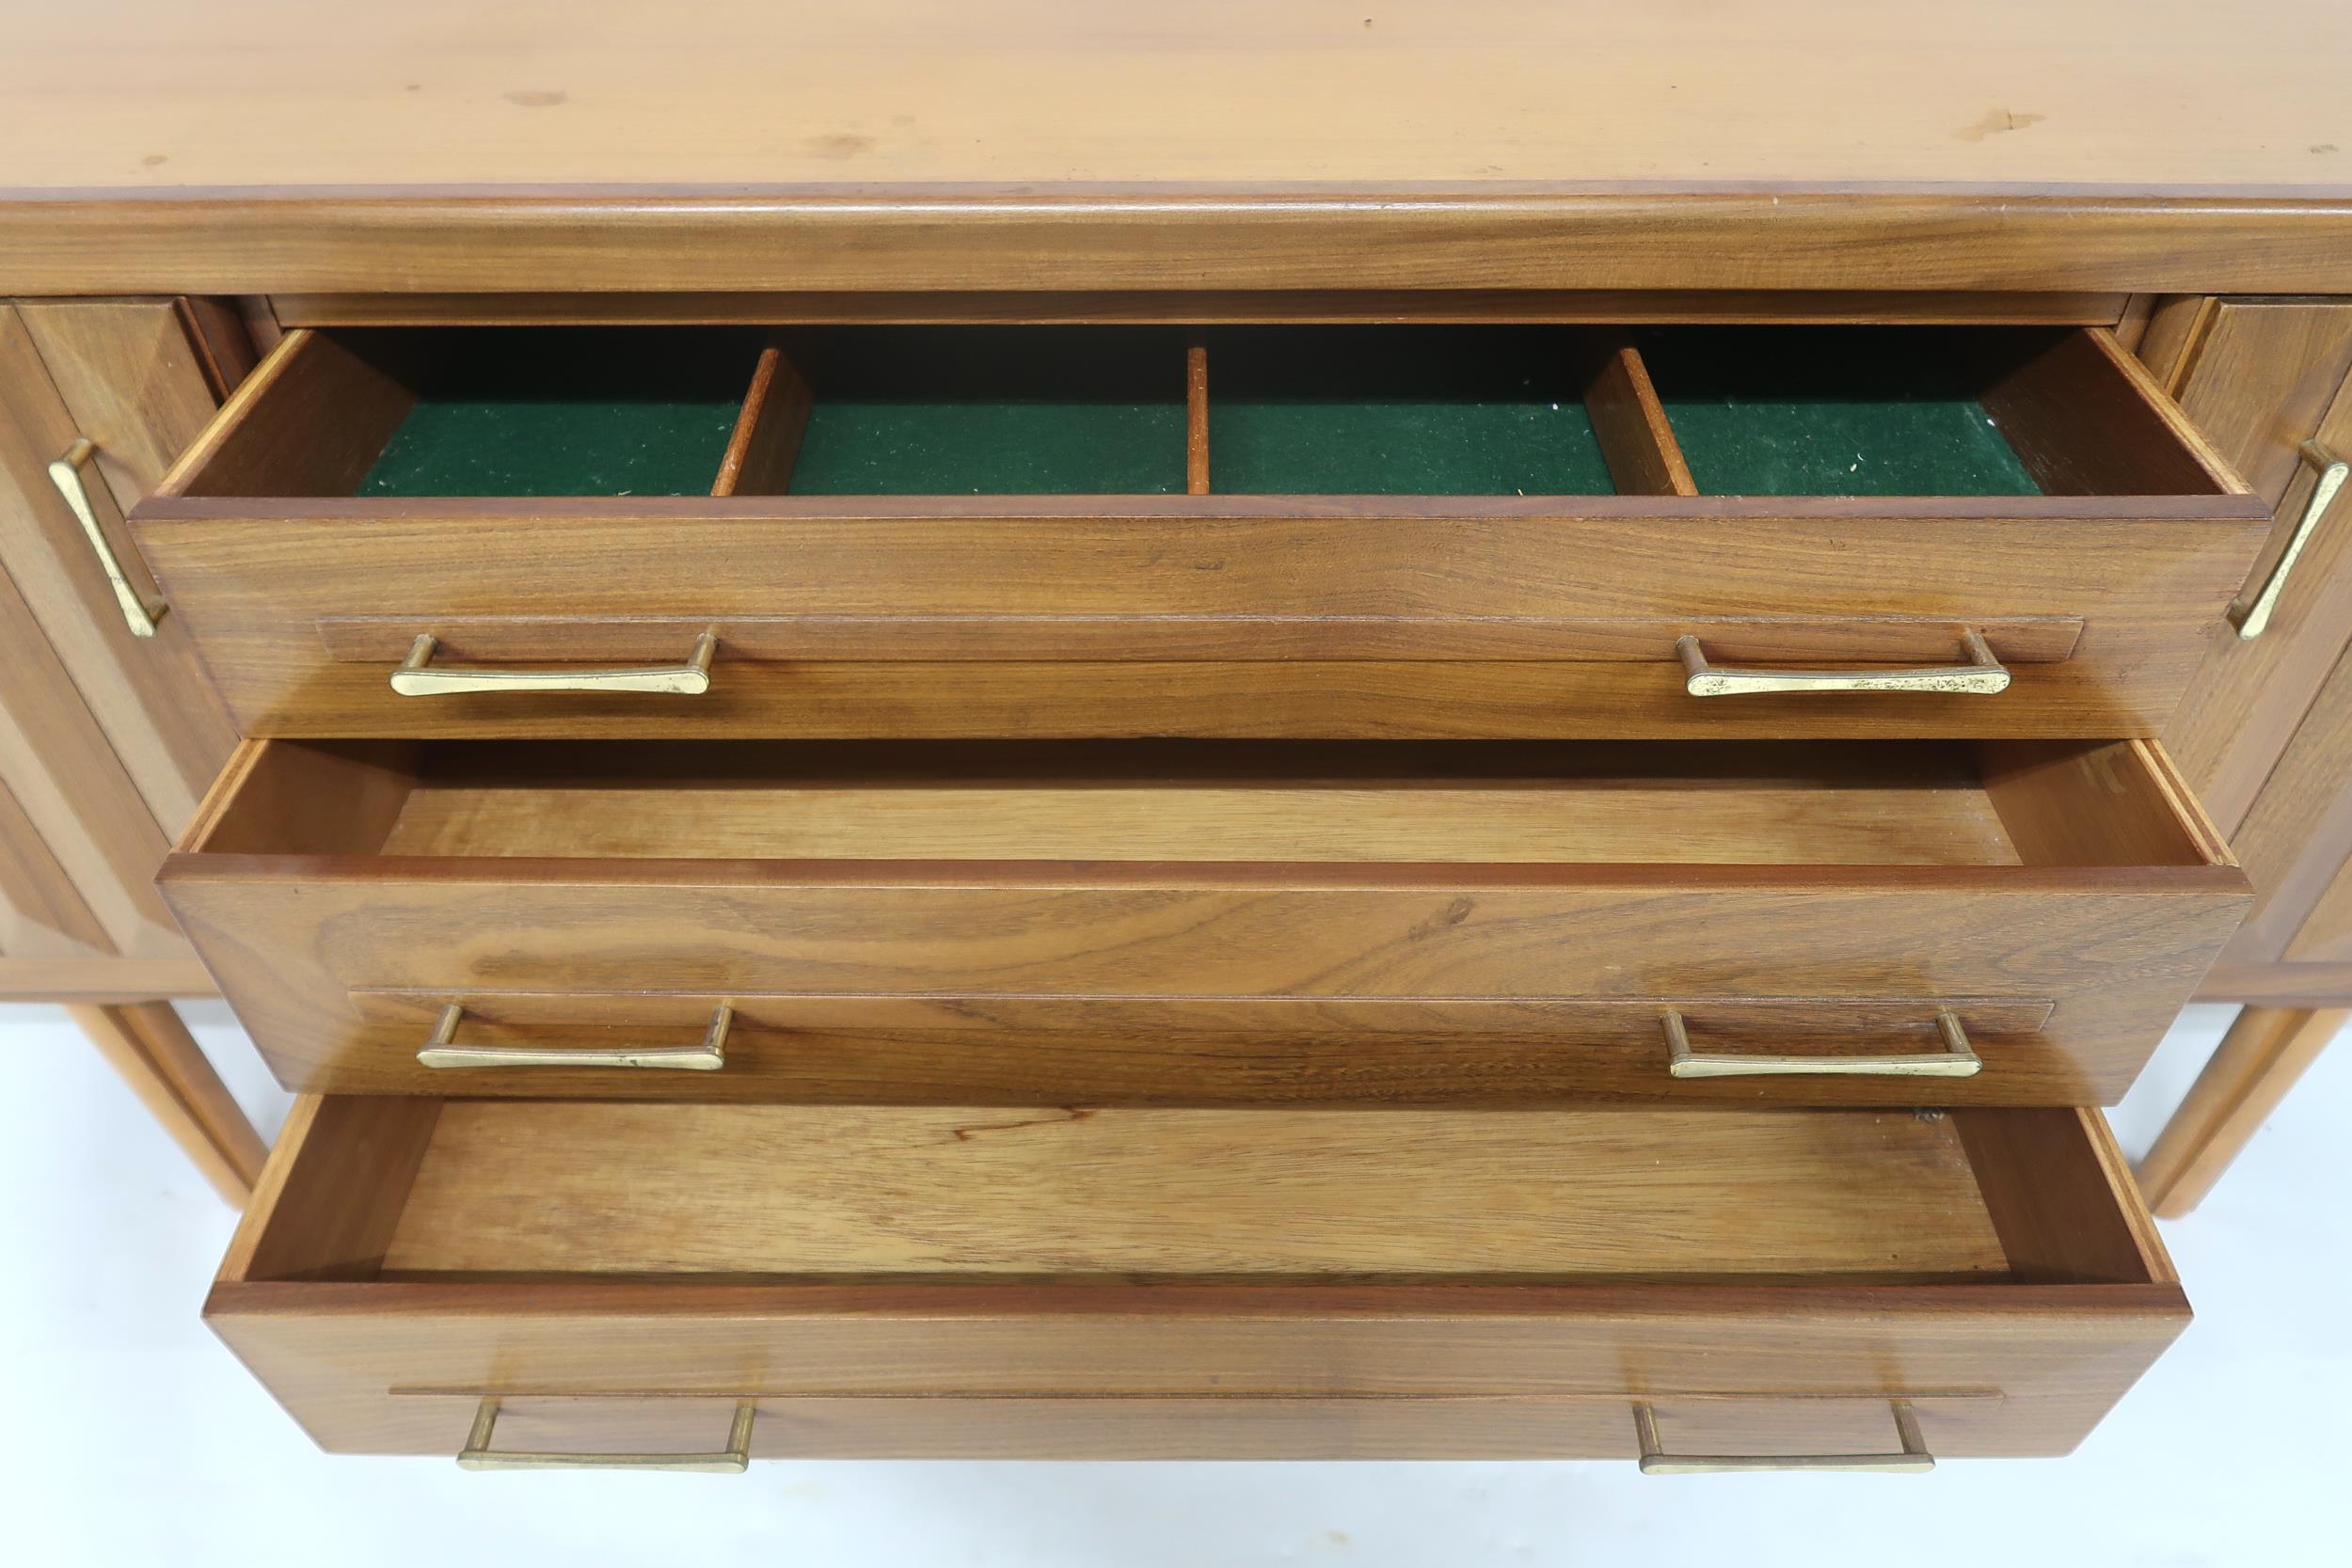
[
  {"x": 1340, "y": 532},
  {"x": 1197, "y": 923},
  {"x": 1212, "y": 1283}
]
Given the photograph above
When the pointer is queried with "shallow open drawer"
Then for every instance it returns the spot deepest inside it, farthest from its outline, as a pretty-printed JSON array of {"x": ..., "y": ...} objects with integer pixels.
[
  {"x": 1197, "y": 923},
  {"x": 1051, "y": 1282},
  {"x": 1346, "y": 533}
]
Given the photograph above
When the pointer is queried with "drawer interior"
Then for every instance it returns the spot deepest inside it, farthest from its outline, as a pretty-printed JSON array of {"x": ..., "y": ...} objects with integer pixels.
[
  {"x": 987, "y": 410},
  {"x": 1861, "y": 411},
  {"x": 1495, "y": 410},
  {"x": 623, "y": 412},
  {"x": 423, "y": 1190},
  {"x": 1698, "y": 802},
  {"x": 1414, "y": 410}
]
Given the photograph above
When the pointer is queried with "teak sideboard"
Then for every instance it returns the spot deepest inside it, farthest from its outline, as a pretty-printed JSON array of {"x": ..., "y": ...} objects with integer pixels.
[{"x": 1039, "y": 731}]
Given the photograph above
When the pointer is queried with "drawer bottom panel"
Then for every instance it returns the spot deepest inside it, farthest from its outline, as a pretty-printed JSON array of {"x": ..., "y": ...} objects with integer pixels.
[{"x": 1193, "y": 1283}]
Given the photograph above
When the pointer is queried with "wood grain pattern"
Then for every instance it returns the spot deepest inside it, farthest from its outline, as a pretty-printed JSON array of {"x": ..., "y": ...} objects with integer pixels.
[
  {"x": 2297, "y": 835},
  {"x": 1236, "y": 641},
  {"x": 2001, "y": 1365},
  {"x": 1280, "y": 240},
  {"x": 2114, "y": 938},
  {"x": 1197, "y": 416},
  {"x": 1184, "y": 307},
  {"x": 2176, "y": 327},
  {"x": 2277, "y": 985},
  {"x": 1224, "y": 1426},
  {"x": 1701, "y": 150},
  {"x": 224, "y": 330},
  {"x": 41, "y": 912},
  {"x": 66, "y": 779},
  {"x": 1604, "y": 805},
  {"x": 150, "y": 1049},
  {"x": 353, "y": 401},
  {"x": 2261, "y": 377},
  {"x": 134, "y": 378},
  {"x": 137, "y": 391},
  {"x": 766, "y": 439},
  {"x": 2087, "y": 419},
  {"x": 1010, "y": 1050},
  {"x": 2017, "y": 101},
  {"x": 2256, "y": 1064},
  {"x": 2326, "y": 934},
  {"x": 1339, "y": 622},
  {"x": 1040, "y": 1190},
  {"x": 2048, "y": 1179},
  {"x": 2112, "y": 805},
  {"x": 326, "y": 1206},
  {"x": 104, "y": 979},
  {"x": 1630, "y": 424},
  {"x": 807, "y": 593}
]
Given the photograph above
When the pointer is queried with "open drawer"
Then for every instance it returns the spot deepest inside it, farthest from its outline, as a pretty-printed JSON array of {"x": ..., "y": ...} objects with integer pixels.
[
  {"x": 1041, "y": 1282},
  {"x": 1315, "y": 531},
  {"x": 1205, "y": 922}
]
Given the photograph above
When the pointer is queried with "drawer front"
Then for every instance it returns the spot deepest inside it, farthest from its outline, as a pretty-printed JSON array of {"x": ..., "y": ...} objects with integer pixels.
[
  {"x": 348, "y": 897},
  {"x": 403, "y": 1369},
  {"x": 1208, "y": 613},
  {"x": 604, "y": 1432},
  {"x": 366, "y": 1287}
]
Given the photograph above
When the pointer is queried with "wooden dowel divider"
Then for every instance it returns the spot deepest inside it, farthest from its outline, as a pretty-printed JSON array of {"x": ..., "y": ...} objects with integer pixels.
[
  {"x": 767, "y": 438},
  {"x": 1636, "y": 438},
  {"x": 1196, "y": 414}
]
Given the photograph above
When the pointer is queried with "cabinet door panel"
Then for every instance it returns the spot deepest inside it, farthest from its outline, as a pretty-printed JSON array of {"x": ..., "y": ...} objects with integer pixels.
[
  {"x": 2263, "y": 377},
  {"x": 148, "y": 695}
]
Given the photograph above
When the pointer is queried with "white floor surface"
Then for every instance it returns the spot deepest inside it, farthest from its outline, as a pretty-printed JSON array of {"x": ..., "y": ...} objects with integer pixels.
[{"x": 128, "y": 1435}]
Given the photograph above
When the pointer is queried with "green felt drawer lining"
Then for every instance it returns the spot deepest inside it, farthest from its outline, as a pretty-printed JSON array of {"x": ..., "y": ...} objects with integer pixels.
[
  {"x": 990, "y": 410},
  {"x": 1407, "y": 410},
  {"x": 571, "y": 411},
  {"x": 1400, "y": 410},
  {"x": 1830, "y": 411}
]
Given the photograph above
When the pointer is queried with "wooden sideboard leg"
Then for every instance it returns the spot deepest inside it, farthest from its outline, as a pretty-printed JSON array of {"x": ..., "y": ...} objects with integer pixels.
[
  {"x": 2259, "y": 1060},
  {"x": 157, "y": 1056}
]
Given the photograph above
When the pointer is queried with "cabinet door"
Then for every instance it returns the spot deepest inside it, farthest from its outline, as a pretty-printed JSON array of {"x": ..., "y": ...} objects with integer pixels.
[
  {"x": 107, "y": 739},
  {"x": 42, "y": 913},
  {"x": 2295, "y": 843},
  {"x": 2326, "y": 936},
  {"x": 2260, "y": 377}
]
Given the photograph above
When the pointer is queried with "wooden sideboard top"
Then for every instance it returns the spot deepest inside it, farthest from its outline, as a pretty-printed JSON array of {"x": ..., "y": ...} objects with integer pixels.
[{"x": 508, "y": 144}]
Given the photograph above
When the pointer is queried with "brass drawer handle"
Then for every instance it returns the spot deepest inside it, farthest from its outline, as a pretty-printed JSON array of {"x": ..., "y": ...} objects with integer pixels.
[
  {"x": 733, "y": 1460},
  {"x": 1982, "y": 676},
  {"x": 1957, "y": 1059},
  {"x": 442, "y": 1050},
  {"x": 417, "y": 678},
  {"x": 66, "y": 474},
  {"x": 2254, "y": 617},
  {"x": 1913, "y": 1459}
]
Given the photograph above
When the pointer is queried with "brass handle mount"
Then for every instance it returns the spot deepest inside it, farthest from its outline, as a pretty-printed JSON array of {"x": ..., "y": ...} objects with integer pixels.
[
  {"x": 1982, "y": 676},
  {"x": 442, "y": 1050},
  {"x": 732, "y": 1460},
  {"x": 2252, "y": 617},
  {"x": 67, "y": 474},
  {"x": 418, "y": 676},
  {"x": 1957, "y": 1059},
  {"x": 1913, "y": 1459}
]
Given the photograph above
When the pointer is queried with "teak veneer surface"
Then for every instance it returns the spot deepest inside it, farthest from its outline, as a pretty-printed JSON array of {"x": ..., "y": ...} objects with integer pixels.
[
  {"x": 621, "y": 1275},
  {"x": 1037, "y": 143},
  {"x": 1373, "y": 616},
  {"x": 731, "y": 92},
  {"x": 595, "y": 1188},
  {"x": 1670, "y": 804},
  {"x": 962, "y": 924}
]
